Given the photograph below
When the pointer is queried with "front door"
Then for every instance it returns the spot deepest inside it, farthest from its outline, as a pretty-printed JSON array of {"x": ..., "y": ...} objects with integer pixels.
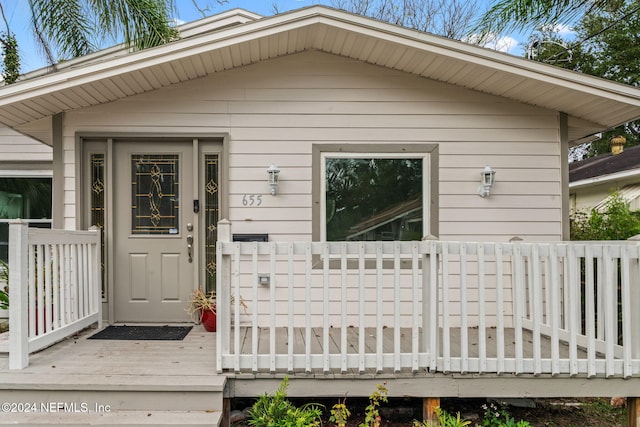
[{"x": 153, "y": 231}]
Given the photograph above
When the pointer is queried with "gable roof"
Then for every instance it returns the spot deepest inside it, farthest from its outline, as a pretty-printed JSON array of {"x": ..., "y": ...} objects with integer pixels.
[
  {"x": 592, "y": 104},
  {"x": 605, "y": 167}
]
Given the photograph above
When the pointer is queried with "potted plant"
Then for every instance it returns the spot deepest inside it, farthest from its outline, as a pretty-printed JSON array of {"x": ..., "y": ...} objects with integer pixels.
[{"x": 203, "y": 308}]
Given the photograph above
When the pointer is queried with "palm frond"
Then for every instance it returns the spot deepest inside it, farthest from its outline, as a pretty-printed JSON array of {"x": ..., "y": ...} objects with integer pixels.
[
  {"x": 73, "y": 28},
  {"x": 515, "y": 15},
  {"x": 140, "y": 23},
  {"x": 63, "y": 24}
]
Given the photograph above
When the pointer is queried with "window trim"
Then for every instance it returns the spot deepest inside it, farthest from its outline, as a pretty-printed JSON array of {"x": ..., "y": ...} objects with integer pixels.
[
  {"x": 26, "y": 173},
  {"x": 429, "y": 153}
]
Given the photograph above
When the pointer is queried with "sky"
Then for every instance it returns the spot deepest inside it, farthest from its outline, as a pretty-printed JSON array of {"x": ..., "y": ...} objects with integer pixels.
[{"x": 17, "y": 14}]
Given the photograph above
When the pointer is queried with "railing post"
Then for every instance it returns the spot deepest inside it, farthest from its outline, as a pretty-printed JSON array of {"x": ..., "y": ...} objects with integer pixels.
[
  {"x": 18, "y": 295},
  {"x": 96, "y": 268},
  {"x": 430, "y": 301},
  {"x": 634, "y": 321},
  {"x": 223, "y": 293}
]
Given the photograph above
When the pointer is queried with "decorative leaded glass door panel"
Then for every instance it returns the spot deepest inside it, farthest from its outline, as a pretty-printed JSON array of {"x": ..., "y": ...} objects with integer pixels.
[{"x": 154, "y": 269}]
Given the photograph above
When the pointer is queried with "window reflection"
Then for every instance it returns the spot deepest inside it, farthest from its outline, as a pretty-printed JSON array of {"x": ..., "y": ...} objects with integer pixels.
[
  {"x": 374, "y": 199},
  {"x": 24, "y": 198}
]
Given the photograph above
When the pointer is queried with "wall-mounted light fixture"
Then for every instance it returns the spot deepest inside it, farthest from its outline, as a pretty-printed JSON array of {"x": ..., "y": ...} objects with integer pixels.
[
  {"x": 273, "y": 172},
  {"x": 487, "y": 177}
]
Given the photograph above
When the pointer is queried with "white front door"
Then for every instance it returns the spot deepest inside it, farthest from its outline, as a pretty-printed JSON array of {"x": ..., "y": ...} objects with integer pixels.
[{"x": 153, "y": 229}]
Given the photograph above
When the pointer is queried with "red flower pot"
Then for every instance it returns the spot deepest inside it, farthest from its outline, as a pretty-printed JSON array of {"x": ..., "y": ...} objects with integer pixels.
[{"x": 208, "y": 318}]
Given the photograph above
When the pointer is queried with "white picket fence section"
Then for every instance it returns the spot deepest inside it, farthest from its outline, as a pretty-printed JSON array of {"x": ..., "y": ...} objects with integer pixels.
[
  {"x": 538, "y": 308},
  {"x": 55, "y": 287}
]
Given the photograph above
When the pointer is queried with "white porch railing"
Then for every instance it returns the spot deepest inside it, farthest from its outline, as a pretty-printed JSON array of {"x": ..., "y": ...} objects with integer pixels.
[
  {"x": 54, "y": 287},
  {"x": 538, "y": 308}
]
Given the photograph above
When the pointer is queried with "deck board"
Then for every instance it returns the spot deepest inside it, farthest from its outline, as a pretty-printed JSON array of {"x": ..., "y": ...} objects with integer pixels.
[
  {"x": 117, "y": 366},
  {"x": 353, "y": 342},
  {"x": 82, "y": 364},
  {"x": 90, "y": 360}
]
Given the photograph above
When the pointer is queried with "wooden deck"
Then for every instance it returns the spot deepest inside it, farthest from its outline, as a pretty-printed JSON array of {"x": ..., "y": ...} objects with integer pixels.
[
  {"x": 420, "y": 383},
  {"x": 193, "y": 358},
  {"x": 125, "y": 369},
  {"x": 161, "y": 382},
  {"x": 83, "y": 358}
]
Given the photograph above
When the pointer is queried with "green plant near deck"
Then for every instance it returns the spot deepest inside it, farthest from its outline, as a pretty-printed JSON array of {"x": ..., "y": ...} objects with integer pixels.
[
  {"x": 445, "y": 419},
  {"x": 274, "y": 410},
  {"x": 372, "y": 412},
  {"x": 4, "y": 285},
  {"x": 340, "y": 413},
  {"x": 499, "y": 417}
]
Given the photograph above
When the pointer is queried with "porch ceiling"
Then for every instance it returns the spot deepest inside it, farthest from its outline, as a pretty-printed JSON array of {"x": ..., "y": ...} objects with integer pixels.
[{"x": 593, "y": 104}]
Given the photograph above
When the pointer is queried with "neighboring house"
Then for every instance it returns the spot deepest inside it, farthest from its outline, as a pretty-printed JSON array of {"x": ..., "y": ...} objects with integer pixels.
[
  {"x": 378, "y": 132},
  {"x": 593, "y": 180}
]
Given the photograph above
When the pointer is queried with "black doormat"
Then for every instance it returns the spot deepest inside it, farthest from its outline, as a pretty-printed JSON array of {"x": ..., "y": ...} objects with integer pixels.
[{"x": 142, "y": 333}]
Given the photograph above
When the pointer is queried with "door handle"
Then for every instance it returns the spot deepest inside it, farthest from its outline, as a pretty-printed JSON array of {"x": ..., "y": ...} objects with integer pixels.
[{"x": 190, "y": 247}]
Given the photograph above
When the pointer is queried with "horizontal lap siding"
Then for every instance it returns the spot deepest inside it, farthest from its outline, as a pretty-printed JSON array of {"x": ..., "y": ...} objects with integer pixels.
[
  {"x": 275, "y": 111},
  {"x": 15, "y": 147}
]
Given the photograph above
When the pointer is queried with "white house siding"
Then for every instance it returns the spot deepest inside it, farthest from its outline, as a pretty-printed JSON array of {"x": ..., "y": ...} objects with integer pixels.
[
  {"x": 15, "y": 147},
  {"x": 274, "y": 112}
]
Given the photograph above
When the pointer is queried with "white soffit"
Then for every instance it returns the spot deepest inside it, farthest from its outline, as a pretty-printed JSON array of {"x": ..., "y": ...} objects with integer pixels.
[{"x": 598, "y": 103}]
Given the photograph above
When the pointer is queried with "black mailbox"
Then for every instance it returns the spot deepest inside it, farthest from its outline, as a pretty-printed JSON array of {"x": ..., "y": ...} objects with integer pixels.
[{"x": 251, "y": 237}]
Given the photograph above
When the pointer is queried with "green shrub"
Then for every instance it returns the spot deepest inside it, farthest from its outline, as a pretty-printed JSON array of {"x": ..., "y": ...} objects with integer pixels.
[
  {"x": 616, "y": 222},
  {"x": 276, "y": 411}
]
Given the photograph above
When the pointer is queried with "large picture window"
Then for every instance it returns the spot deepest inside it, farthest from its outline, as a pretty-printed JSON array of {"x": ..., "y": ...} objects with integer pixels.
[
  {"x": 373, "y": 196},
  {"x": 24, "y": 198}
]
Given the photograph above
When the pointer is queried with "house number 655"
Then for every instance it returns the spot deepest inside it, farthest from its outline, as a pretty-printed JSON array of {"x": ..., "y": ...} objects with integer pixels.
[{"x": 251, "y": 199}]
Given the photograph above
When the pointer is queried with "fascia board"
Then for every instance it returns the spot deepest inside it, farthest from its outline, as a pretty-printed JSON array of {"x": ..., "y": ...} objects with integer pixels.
[{"x": 603, "y": 179}]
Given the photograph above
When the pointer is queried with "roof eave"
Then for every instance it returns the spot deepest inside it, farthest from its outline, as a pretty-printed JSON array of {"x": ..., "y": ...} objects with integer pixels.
[
  {"x": 321, "y": 18},
  {"x": 603, "y": 179}
]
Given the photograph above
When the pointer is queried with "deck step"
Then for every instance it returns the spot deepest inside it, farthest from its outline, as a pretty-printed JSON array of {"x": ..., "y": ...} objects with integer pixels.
[
  {"x": 118, "y": 392},
  {"x": 118, "y": 418},
  {"x": 119, "y": 400}
]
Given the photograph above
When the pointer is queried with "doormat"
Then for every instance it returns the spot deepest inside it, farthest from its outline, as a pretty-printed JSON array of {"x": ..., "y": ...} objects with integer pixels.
[{"x": 142, "y": 333}]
